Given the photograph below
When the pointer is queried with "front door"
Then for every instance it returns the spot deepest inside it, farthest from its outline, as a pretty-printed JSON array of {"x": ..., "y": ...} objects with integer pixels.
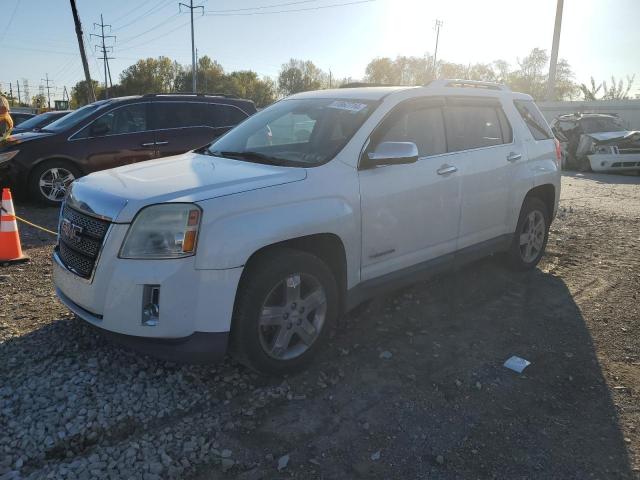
[
  {"x": 410, "y": 213},
  {"x": 119, "y": 137}
]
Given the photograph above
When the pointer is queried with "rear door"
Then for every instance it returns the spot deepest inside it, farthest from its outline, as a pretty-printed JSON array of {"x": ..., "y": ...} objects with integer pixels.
[
  {"x": 481, "y": 138},
  {"x": 184, "y": 126},
  {"x": 118, "y": 137}
]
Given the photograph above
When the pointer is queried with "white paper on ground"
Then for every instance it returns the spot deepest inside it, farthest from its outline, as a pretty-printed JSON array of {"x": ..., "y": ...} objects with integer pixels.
[{"x": 517, "y": 364}]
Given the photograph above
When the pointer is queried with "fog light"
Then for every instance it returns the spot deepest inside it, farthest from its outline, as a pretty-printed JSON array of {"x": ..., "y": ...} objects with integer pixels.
[{"x": 151, "y": 305}]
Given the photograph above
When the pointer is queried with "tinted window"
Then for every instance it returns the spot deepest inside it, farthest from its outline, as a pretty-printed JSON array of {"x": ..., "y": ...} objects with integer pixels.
[
  {"x": 533, "y": 118},
  {"x": 223, "y": 115},
  {"x": 424, "y": 127},
  {"x": 128, "y": 119},
  {"x": 180, "y": 114},
  {"x": 75, "y": 117},
  {"x": 474, "y": 126}
]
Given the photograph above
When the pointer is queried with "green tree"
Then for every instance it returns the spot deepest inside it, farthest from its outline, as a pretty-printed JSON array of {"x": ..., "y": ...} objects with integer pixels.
[
  {"x": 532, "y": 76},
  {"x": 150, "y": 75},
  {"x": 246, "y": 84},
  {"x": 210, "y": 77},
  {"x": 79, "y": 95},
  {"x": 300, "y": 76},
  {"x": 382, "y": 70}
]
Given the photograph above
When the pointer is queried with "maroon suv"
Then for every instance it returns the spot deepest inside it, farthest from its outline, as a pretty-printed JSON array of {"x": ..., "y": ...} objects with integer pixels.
[{"x": 114, "y": 132}]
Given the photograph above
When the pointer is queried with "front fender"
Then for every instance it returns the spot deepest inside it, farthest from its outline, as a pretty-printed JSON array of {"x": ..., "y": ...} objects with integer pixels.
[{"x": 227, "y": 241}]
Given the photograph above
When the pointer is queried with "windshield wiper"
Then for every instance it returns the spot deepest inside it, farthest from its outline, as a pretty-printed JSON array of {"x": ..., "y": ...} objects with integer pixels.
[{"x": 256, "y": 157}]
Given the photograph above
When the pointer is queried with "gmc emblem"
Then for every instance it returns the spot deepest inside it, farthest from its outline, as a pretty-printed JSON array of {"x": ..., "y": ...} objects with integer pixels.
[{"x": 71, "y": 230}]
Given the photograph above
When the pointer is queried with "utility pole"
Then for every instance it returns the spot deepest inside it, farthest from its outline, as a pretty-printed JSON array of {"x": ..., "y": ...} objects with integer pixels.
[
  {"x": 196, "y": 71},
  {"x": 193, "y": 42},
  {"x": 435, "y": 54},
  {"x": 91, "y": 96},
  {"x": 330, "y": 79},
  {"x": 46, "y": 79},
  {"x": 104, "y": 50},
  {"x": 551, "y": 87},
  {"x": 11, "y": 93},
  {"x": 18, "y": 85}
]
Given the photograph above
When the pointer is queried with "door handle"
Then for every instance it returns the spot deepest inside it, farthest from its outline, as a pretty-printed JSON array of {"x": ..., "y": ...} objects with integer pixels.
[
  {"x": 446, "y": 169},
  {"x": 148, "y": 144},
  {"x": 162, "y": 143},
  {"x": 514, "y": 157}
]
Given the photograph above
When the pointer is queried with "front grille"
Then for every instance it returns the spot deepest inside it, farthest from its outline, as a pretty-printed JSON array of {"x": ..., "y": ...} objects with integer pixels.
[{"x": 80, "y": 240}]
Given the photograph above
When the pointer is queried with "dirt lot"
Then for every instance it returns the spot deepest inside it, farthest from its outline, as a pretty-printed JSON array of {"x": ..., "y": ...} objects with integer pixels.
[{"x": 412, "y": 387}]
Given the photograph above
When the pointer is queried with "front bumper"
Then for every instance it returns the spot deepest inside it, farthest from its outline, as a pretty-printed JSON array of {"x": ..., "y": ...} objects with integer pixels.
[
  {"x": 199, "y": 347},
  {"x": 194, "y": 304},
  {"x": 601, "y": 162}
]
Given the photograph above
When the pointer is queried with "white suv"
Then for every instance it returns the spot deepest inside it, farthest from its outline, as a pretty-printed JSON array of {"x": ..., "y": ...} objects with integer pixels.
[{"x": 302, "y": 212}]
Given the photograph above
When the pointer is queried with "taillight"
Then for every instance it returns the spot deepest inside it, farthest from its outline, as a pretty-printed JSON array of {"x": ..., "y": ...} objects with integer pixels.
[{"x": 558, "y": 153}]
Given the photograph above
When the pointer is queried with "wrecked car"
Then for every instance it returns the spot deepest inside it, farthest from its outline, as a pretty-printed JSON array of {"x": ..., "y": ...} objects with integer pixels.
[{"x": 597, "y": 142}]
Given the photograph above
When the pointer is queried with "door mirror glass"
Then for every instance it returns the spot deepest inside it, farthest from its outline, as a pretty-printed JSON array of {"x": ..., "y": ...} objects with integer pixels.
[{"x": 392, "y": 153}]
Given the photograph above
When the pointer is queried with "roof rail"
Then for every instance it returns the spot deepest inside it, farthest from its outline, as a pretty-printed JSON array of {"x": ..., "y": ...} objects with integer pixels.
[
  {"x": 459, "y": 83},
  {"x": 225, "y": 95}
]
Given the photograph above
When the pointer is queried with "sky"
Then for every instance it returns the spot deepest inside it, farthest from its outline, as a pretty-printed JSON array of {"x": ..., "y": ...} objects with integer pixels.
[{"x": 599, "y": 38}]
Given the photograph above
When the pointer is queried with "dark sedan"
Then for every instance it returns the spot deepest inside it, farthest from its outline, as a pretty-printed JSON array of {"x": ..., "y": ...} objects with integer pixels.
[
  {"x": 37, "y": 122},
  {"x": 114, "y": 132}
]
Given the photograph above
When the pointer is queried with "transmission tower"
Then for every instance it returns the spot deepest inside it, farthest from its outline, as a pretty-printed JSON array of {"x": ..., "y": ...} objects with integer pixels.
[
  {"x": 47, "y": 80},
  {"x": 104, "y": 49}
]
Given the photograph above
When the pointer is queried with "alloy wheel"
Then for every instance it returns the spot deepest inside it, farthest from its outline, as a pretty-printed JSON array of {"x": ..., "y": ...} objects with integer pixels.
[
  {"x": 532, "y": 236},
  {"x": 54, "y": 183},
  {"x": 292, "y": 316}
]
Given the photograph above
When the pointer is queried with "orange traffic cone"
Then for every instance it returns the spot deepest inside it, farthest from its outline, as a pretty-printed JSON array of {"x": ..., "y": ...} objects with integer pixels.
[{"x": 10, "y": 249}]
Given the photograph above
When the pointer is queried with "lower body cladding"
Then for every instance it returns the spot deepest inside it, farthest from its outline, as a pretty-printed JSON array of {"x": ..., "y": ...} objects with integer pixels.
[
  {"x": 629, "y": 162},
  {"x": 165, "y": 308}
]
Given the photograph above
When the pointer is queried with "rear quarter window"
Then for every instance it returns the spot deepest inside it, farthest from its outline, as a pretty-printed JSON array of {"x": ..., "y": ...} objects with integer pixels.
[{"x": 534, "y": 120}]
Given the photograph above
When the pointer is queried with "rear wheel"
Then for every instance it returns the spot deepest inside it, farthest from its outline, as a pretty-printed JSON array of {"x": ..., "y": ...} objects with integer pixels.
[
  {"x": 286, "y": 303},
  {"x": 530, "y": 238},
  {"x": 49, "y": 182}
]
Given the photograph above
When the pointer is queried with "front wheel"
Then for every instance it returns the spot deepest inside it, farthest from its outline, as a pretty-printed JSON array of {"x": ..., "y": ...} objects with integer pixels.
[
  {"x": 285, "y": 306},
  {"x": 530, "y": 238},
  {"x": 50, "y": 181}
]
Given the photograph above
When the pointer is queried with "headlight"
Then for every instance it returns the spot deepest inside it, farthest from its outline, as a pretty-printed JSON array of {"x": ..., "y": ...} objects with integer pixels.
[
  {"x": 6, "y": 156},
  {"x": 168, "y": 230}
]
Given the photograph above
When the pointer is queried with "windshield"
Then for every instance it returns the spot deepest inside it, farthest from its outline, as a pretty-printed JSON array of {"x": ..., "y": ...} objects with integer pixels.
[
  {"x": 35, "y": 122},
  {"x": 295, "y": 132},
  {"x": 601, "y": 124},
  {"x": 73, "y": 118}
]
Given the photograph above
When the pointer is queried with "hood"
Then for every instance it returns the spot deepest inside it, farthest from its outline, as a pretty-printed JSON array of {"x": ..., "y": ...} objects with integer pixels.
[
  {"x": 16, "y": 139},
  {"x": 588, "y": 141},
  {"x": 191, "y": 177}
]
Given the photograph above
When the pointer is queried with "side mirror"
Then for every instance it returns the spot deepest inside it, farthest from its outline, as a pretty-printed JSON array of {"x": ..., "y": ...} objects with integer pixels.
[
  {"x": 98, "y": 129},
  {"x": 391, "y": 153}
]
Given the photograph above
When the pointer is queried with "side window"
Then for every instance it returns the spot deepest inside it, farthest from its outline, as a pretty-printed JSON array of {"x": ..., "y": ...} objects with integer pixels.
[
  {"x": 533, "y": 118},
  {"x": 223, "y": 116},
  {"x": 475, "y": 126},
  {"x": 128, "y": 119},
  {"x": 179, "y": 114},
  {"x": 422, "y": 126}
]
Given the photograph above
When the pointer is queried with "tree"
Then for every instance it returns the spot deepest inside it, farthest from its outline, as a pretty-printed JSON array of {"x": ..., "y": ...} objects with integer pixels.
[
  {"x": 618, "y": 91},
  {"x": 246, "y": 84},
  {"x": 590, "y": 93},
  {"x": 79, "y": 93},
  {"x": 382, "y": 71},
  {"x": 300, "y": 76},
  {"x": 532, "y": 76},
  {"x": 150, "y": 75},
  {"x": 210, "y": 76}
]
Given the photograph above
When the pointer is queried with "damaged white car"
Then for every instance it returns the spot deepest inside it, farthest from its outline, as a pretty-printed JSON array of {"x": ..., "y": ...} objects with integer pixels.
[{"x": 597, "y": 142}]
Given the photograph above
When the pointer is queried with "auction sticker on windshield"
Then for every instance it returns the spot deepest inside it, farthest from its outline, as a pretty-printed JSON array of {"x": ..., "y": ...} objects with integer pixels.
[{"x": 349, "y": 106}]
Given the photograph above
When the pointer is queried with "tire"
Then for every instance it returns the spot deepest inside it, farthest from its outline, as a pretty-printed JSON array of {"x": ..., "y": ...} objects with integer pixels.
[
  {"x": 276, "y": 330},
  {"x": 525, "y": 256},
  {"x": 49, "y": 181}
]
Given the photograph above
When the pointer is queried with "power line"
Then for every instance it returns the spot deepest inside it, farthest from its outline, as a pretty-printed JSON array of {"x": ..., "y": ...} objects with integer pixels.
[
  {"x": 13, "y": 14},
  {"x": 263, "y": 7},
  {"x": 291, "y": 10},
  {"x": 152, "y": 10},
  {"x": 104, "y": 49},
  {"x": 165, "y": 21},
  {"x": 47, "y": 80},
  {"x": 126, "y": 14},
  {"x": 193, "y": 44}
]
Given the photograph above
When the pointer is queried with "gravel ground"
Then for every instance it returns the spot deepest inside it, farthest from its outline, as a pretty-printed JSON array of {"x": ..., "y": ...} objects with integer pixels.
[{"x": 411, "y": 387}]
